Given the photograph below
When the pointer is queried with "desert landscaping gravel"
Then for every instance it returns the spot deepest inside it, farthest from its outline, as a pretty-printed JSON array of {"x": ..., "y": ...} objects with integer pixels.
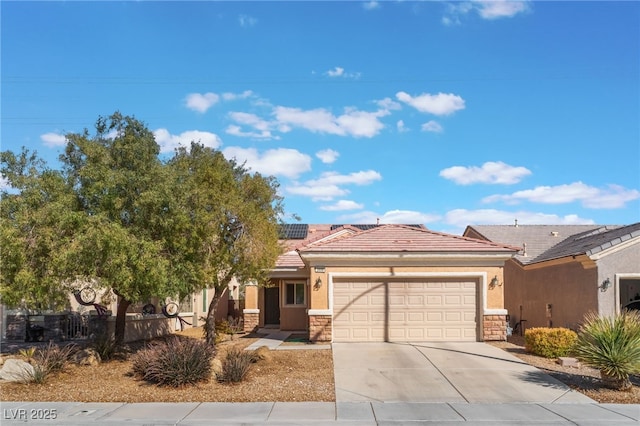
[{"x": 283, "y": 376}]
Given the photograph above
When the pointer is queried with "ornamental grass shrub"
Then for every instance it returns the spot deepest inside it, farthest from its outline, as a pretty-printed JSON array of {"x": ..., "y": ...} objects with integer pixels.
[
  {"x": 611, "y": 345},
  {"x": 174, "y": 362},
  {"x": 49, "y": 359},
  {"x": 236, "y": 364},
  {"x": 550, "y": 342}
]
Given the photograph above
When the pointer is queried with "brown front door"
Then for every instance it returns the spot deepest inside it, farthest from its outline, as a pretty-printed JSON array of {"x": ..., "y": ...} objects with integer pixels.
[{"x": 272, "y": 306}]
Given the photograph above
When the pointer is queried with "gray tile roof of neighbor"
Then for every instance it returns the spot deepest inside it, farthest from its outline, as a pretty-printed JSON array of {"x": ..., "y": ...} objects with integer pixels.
[
  {"x": 546, "y": 242},
  {"x": 591, "y": 242}
]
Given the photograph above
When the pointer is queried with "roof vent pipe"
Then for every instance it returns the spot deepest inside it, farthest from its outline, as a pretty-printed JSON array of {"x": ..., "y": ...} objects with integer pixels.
[{"x": 524, "y": 249}]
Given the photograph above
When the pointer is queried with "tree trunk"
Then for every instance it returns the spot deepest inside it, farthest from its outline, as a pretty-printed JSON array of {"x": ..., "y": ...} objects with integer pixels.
[
  {"x": 210, "y": 324},
  {"x": 121, "y": 320},
  {"x": 621, "y": 384}
]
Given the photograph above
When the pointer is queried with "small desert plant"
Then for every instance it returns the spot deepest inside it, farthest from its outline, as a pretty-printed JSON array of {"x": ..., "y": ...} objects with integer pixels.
[
  {"x": 27, "y": 353},
  {"x": 612, "y": 345},
  {"x": 38, "y": 374},
  {"x": 53, "y": 357},
  {"x": 45, "y": 361},
  {"x": 550, "y": 342},
  {"x": 105, "y": 345},
  {"x": 174, "y": 362},
  {"x": 236, "y": 364}
]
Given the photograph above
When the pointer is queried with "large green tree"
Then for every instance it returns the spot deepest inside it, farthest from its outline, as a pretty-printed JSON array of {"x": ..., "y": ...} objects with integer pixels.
[
  {"x": 117, "y": 214},
  {"x": 230, "y": 220},
  {"x": 37, "y": 223}
]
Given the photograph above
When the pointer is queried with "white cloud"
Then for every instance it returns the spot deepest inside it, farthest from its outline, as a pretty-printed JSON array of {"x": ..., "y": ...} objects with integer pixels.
[
  {"x": 234, "y": 96},
  {"x": 392, "y": 216},
  {"x": 366, "y": 177},
  {"x": 495, "y": 9},
  {"x": 4, "y": 184},
  {"x": 327, "y": 156},
  {"x": 274, "y": 162},
  {"x": 440, "y": 104},
  {"x": 371, "y": 5},
  {"x": 339, "y": 72},
  {"x": 328, "y": 185},
  {"x": 317, "y": 192},
  {"x": 234, "y": 130},
  {"x": 342, "y": 205},
  {"x": 388, "y": 104},
  {"x": 247, "y": 21},
  {"x": 352, "y": 123},
  {"x": 460, "y": 218},
  {"x": 169, "y": 142},
  {"x": 201, "y": 102},
  {"x": 336, "y": 72},
  {"x": 432, "y": 126},
  {"x": 611, "y": 197},
  {"x": 53, "y": 140},
  {"x": 491, "y": 172},
  {"x": 401, "y": 126},
  {"x": 486, "y": 9}
]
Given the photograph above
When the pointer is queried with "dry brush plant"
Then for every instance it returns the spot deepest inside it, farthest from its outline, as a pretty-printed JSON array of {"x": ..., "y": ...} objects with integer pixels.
[{"x": 174, "y": 362}]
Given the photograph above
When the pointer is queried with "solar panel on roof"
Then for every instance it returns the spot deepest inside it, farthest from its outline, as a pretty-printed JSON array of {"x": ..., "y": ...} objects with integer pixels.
[
  {"x": 294, "y": 231},
  {"x": 365, "y": 227}
]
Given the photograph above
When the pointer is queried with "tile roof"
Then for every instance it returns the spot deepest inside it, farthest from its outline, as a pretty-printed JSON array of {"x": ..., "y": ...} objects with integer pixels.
[
  {"x": 532, "y": 239},
  {"x": 546, "y": 242},
  {"x": 402, "y": 238},
  {"x": 591, "y": 242}
]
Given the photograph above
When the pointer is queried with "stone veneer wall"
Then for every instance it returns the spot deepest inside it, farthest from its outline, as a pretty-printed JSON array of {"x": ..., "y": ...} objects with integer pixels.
[
  {"x": 320, "y": 328},
  {"x": 251, "y": 321},
  {"x": 494, "y": 327}
]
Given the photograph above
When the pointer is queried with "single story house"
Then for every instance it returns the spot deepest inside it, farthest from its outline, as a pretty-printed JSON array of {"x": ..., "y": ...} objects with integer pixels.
[
  {"x": 564, "y": 271},
  {"x": 357, "y": 283}
]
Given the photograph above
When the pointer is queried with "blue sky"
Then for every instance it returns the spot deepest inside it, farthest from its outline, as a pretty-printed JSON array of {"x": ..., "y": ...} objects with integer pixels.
[{"x": 441, "y": 113}]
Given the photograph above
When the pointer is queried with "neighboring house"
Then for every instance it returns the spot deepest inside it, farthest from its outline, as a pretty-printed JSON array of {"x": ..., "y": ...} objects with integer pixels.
[
  {"x": 564, "y": 271},
  {"x": 350, "y": 283}
]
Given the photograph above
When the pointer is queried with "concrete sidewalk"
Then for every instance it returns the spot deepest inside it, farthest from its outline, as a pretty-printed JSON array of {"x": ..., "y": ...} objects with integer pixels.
[{"x": 303, "y": 413}]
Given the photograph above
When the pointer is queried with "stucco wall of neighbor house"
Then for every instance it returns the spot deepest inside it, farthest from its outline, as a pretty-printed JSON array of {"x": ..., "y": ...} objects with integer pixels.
[
  {"x": 614, "y": 266},
  {"x": 568, "y": 287}
]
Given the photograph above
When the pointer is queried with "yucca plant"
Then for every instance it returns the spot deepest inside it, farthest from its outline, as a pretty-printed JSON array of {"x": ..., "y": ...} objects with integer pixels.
[{"x": 611, "y": 345}]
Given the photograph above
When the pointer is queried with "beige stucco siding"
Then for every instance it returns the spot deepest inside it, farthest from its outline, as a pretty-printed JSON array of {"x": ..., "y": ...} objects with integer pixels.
[
  {"x": 494, "y": 297},
  {"x": 567, "y": 287}
]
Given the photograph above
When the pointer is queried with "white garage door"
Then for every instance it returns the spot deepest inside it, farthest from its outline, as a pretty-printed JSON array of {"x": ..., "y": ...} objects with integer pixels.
[{"x": 375, "y": 311}]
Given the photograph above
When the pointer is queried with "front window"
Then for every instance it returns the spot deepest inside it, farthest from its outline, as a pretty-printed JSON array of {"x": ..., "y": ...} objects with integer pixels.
[{"x": 295, "y": 293}]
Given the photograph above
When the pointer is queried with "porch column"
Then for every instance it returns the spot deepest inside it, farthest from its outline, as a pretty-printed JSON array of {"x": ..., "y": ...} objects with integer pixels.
[
  {"x": 494, "y": 327},
  {"x": 320, "y": 325},
  {"x": 251, "y": 312}
]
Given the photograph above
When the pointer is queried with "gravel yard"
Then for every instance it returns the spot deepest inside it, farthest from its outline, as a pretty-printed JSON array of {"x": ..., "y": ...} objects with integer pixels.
[{"x": 286, "y": 376}]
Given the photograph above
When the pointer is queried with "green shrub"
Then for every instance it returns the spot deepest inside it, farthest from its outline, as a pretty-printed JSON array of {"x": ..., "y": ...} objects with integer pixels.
[
  {"x": 174, "y": 362},
  {"x": 612, "y": 345},
  {"x": 236, "y": 364},
  {"x": 550, "y": 342}
]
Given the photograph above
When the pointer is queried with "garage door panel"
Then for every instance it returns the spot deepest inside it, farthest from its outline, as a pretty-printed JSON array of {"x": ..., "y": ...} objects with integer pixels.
[{"x": 405, "y": 311}]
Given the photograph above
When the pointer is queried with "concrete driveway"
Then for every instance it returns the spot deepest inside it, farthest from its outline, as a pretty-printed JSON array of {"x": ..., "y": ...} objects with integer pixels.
[{"x": 472, "y": 372}]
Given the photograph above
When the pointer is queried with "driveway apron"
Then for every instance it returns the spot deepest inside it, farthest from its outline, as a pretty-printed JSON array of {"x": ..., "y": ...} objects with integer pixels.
[{"x": 464, "y": 372}]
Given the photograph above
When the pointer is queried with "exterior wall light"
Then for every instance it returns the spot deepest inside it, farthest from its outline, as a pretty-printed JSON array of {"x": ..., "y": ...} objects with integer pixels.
[
  {"x": 494, "y": 283},
  {"x": 318, "y": 283},
  {"x": 605, "y": 285}
]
